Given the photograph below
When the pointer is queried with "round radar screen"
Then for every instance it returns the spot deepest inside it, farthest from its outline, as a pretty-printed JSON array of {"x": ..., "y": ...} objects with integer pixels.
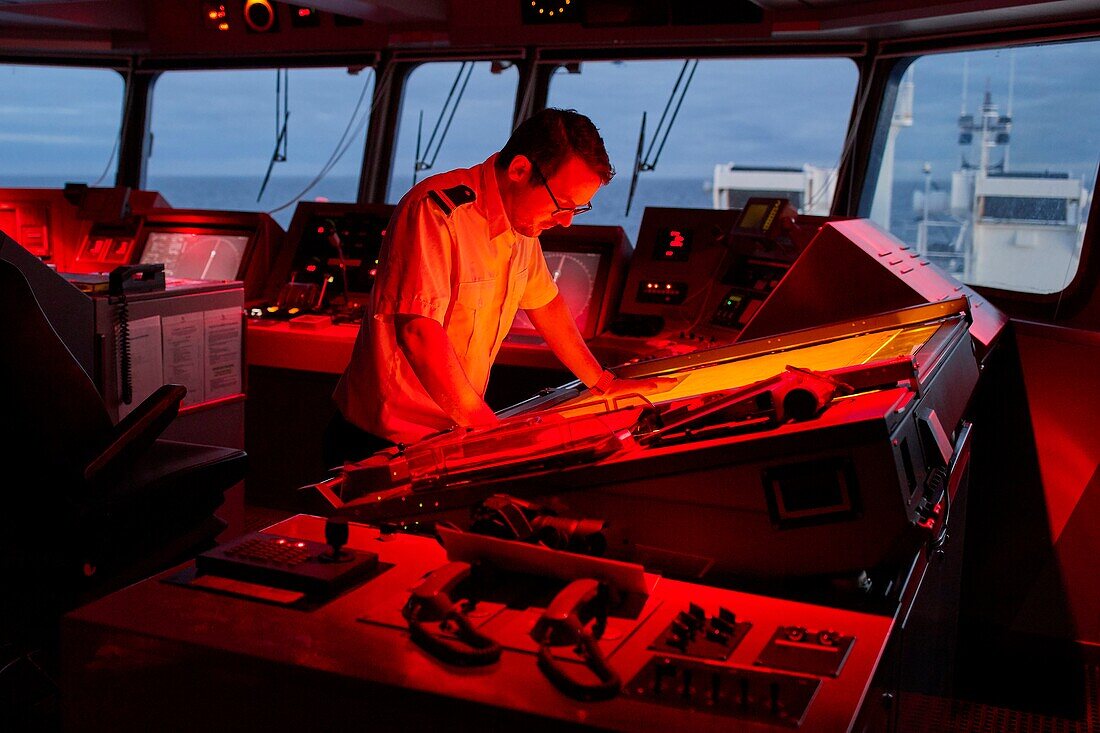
[{"x": 575, "y": 275}]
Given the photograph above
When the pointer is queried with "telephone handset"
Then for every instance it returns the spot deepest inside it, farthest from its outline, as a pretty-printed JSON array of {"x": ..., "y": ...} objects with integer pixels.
[
  {"x": 140, "y": 278},
  {"x": 432, "y": 602},
  {"x": 130, "y": 279},
  {"x": 563, "y": 623}
]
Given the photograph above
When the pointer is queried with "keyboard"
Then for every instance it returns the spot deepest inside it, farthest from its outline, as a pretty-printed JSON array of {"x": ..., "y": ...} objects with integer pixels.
[{"x": 288, "y": 563}]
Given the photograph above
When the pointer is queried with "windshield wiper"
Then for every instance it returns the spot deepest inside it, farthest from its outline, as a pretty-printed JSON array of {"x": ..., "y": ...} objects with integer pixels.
[
  {"x": 282, "y": 116},
  {"x": 459, "y": 84},
  {"x": 648, "y": 163}
]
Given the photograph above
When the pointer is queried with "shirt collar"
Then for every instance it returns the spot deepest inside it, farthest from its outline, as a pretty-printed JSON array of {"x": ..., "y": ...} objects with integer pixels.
[{"x": 490, "y": 194}]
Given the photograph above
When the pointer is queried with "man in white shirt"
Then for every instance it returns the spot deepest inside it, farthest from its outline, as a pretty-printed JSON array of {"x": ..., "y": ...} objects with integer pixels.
[{"x": 460, "y": 256}]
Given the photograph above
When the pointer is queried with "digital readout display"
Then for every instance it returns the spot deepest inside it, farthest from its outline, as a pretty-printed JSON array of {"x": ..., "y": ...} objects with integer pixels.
[{"x": 672, "y": 245}]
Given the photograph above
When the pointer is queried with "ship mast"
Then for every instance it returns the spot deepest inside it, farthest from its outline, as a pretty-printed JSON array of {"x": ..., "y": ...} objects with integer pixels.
[{"x": 993, "y": 129}]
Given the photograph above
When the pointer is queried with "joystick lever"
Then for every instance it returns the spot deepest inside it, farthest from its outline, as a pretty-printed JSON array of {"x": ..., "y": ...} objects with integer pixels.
[{"x": 336, "y": 535}]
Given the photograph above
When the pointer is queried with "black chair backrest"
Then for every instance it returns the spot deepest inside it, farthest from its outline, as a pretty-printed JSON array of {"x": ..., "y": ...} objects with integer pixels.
[{"x": 52, "y": 409}]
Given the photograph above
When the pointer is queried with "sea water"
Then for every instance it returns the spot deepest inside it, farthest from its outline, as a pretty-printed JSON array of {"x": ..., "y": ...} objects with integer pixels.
[{"x": 239, "y": 193}]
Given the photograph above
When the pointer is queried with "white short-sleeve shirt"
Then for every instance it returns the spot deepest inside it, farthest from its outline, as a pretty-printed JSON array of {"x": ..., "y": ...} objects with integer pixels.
[{"x": 449, "y": 254}]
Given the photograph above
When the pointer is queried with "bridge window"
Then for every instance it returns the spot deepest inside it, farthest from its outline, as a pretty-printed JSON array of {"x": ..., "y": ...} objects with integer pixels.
[
  {"x": 453, "y": 115},
  {"x": 215, "y": 134},
  {"x": 745, "y": 127},
  {"x": 58, "y": 125},
  {"x": 990, "y": 163}
]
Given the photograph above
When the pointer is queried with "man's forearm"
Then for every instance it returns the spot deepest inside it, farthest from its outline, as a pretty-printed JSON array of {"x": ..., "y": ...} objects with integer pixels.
[
  {"x": 432, "y": 357},
  {"x": 556, "y": 324}
]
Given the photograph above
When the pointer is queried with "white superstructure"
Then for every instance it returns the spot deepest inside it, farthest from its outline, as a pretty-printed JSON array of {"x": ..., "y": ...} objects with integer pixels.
[
  {"x": 809, "y": 188},
  {"x": 1007, "y": 229}
]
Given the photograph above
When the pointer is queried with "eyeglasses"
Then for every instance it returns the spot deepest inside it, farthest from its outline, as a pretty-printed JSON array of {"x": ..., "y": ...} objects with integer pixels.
[{"x": 560, "y": 211}]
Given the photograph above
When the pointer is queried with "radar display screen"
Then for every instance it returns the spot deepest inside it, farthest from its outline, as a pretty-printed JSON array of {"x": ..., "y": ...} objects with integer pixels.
[
  {"x": 196, "y": 255},
  {"x": 575, "y": 273}
]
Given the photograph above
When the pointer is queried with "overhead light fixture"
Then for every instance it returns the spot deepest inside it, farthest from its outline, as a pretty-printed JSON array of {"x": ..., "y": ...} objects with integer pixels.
[{"x": 550, "y": 11}]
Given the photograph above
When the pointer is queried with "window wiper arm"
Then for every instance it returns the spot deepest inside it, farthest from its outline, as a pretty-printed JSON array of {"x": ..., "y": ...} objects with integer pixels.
[
  {"x": 459, "y": 85},
  {"x": 282, "y": 116},
  {"x": 648, "y": 163}
]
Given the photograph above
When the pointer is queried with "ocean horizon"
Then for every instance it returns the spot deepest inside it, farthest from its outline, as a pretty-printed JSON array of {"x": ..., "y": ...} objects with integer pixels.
[{"x": 239, "y": 193}]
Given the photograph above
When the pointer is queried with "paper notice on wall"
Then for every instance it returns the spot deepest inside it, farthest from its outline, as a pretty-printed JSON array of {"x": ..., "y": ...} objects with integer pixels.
[
  {"x": 146, "y": 362},
  {"x": 184, "y": 361},
  {"x": 224, "y": 335}
]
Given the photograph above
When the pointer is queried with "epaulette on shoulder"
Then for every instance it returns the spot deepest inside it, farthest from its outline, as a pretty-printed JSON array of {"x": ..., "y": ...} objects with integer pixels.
[{"x": 450, "y": 199}]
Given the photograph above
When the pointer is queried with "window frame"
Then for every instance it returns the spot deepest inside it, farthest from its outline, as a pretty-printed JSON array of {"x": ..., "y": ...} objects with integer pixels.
[
  {"x": 550, "y": 61},
  {"x": 1057, "y": 305},
  {"x": 119, "y": 66},
  {"x": 408, "y": 67}
]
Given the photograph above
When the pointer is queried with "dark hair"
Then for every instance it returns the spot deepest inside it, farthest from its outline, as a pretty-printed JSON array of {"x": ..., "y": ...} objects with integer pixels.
[{"x": 549, "y": 136}]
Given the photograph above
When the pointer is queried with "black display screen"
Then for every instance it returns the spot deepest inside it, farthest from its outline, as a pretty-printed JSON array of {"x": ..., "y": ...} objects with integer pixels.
[
  {"x": 673, "y": 245},
  {"x": 348, "y": 241},
  {"x": 761, "y": 277},
  {"x": 761, "y": 215}
]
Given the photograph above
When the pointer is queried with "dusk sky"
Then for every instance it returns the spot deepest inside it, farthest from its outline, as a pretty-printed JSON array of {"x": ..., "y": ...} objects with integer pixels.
[{"x": 752, "y": 112}]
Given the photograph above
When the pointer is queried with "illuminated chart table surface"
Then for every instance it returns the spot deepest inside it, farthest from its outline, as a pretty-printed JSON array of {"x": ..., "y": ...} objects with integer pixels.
[{"x": 851, "y": 351}]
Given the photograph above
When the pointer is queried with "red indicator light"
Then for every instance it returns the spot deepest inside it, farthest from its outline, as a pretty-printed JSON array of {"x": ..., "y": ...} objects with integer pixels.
[
  {"x": 320, "y": 230},
  {"x": 304, "y": 12},
  {"x": 668, "y": 253},
  {"x": 374, "y": 272},
  {"x": 311, "y": 268}
]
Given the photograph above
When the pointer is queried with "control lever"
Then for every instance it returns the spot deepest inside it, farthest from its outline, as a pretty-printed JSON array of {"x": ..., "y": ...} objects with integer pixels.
[
  {"x": 510, "y": 518},
  {"x": 336, "y": 535},
  {"x": 333, "y": 238},
  {"x": 431, "y": 602},
  {"x": 563, "y": 623}
]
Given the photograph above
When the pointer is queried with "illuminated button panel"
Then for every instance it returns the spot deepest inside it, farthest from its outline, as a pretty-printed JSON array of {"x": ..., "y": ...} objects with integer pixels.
[
  {"x": 772, "y": 698},
  {"x": 106, "y": 248},
  {"x": 660, "y": 291},
  {"x": 819, "y": 652},
  {"x": 288, "y": 563},
  {"x": 272, "y": 550},
  {"x": 735, "y": 310}
]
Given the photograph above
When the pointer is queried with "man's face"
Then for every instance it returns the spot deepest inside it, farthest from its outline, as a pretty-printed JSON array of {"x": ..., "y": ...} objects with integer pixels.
[{"x": 529, "y": 202}]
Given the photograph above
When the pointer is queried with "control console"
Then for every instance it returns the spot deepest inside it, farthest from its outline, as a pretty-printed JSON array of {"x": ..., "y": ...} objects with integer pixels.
[
  {"x": 329, "y": 264},
  {"x": 698, "y": 277},
  {"x": 454, "y": 636}
]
